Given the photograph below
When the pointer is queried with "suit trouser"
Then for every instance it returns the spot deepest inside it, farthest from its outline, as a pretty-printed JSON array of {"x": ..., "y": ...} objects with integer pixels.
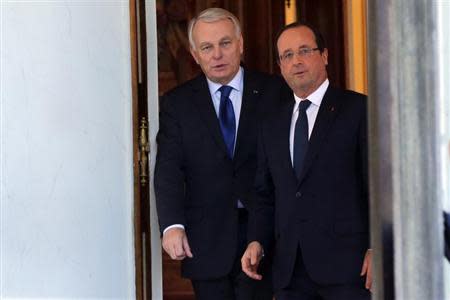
[
  {"x": 302, "y": 287},
  {"x": 236, "y": 285}
]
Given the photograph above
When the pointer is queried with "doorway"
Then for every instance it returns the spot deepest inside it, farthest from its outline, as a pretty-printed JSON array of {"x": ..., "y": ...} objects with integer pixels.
[{"x": 175, "y": 64}]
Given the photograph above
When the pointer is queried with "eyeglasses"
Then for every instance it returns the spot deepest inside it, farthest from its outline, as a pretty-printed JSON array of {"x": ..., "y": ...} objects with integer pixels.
[{"x": 288, "y": 56}]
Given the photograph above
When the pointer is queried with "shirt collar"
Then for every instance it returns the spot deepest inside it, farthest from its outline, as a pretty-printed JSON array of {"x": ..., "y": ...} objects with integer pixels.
[
  {"x": 317, "y": 96},
  {"x": 236, "y": 83}
]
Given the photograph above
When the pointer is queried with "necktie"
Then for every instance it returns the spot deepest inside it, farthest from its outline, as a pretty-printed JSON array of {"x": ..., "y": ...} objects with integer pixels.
[
  {"x": 226, "y": 119},
  {"x": 301, "y": 137}
]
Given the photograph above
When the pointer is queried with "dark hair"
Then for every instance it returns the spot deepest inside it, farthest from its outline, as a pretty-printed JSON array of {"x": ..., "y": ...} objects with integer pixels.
[{"x": 320, "y": 41}]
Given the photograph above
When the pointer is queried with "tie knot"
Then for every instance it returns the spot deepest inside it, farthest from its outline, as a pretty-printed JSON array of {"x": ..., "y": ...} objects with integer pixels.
[
  {"x": 225, "y": 91},
  {"x": 303, "y": 105}
]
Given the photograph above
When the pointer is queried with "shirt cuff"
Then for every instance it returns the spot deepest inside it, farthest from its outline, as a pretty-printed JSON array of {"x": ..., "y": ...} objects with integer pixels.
[{"x": 173, "y": 226}]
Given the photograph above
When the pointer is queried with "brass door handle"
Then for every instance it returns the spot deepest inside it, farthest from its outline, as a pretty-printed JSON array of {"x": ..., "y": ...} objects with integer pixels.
[{"x": 144, "y": 150}]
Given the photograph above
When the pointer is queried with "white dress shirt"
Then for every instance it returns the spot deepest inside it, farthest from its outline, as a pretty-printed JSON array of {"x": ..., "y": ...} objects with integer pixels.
[{"x": 316, "y": 99}]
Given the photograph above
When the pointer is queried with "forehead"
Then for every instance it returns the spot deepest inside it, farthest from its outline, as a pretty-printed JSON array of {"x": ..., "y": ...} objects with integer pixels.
[
  {"x": 212, "y": 31},
  {"x": 294, "y": 38}
]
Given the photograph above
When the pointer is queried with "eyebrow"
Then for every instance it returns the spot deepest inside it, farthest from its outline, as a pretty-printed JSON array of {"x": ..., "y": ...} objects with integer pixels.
[
  {"x": 205, "y": 44},
  {"x": 287, "y": 50},
  {"x": 299, "y": 47},
  {"x": 225, "y": 38}
]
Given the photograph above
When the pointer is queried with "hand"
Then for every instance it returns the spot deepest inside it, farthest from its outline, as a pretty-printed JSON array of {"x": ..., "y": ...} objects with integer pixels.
[
  {"x": 367, "y": 269},
  {"x": 250, "y": 260},
  {"x": 176, "y": 244}
]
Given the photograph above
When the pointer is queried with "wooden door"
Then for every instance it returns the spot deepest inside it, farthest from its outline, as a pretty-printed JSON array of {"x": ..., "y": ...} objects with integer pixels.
[
  {"x": 141, "y": 149},
  {"x": 327, "y": 16}
]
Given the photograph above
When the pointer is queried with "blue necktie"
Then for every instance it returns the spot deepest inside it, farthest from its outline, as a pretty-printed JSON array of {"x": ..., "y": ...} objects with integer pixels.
[
  {"x": 301, "y": 137},
  {"x": 226, "y": 119}
]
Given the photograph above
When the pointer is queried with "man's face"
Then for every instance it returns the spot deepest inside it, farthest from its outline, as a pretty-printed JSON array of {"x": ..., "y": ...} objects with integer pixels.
[
  {"x": 217, "y": 50},
  {"x": 304, "y": 73}
]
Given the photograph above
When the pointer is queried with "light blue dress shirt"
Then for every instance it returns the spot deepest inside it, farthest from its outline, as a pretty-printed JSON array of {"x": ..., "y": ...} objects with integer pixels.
[{"x": 237, "y": 83}]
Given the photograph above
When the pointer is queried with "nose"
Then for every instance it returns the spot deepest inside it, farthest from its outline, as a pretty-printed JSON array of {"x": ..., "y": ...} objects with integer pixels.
[
  {"x": 217, "y": 53},
  {"x": 298, "y": 59}
]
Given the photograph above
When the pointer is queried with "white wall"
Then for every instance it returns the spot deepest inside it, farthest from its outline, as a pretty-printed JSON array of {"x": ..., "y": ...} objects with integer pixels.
[{"x": 66, "y": 150}]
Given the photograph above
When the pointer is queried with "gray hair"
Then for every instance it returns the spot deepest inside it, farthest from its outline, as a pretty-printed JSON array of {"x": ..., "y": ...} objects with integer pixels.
[{"x": 211, "y": 15}]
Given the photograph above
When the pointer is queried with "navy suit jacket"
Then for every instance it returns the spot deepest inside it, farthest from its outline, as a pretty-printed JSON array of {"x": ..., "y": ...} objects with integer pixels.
[
  {"x": 325, "y": 213},
  {"x": 196, "y": 183}
]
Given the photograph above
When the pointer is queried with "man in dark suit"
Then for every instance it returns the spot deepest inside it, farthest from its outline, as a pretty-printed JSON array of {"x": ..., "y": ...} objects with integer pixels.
[
  {"x": 206, "y": 161},
  {"x": 311, "y": 182}
]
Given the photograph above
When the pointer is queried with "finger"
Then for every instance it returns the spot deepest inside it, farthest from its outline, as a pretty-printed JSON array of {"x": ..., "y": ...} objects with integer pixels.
[
  {"x": 254, "y": 275},
  {"x": 369, "y": 277},
  {"x": 368, "y": 283},
  {"x": 364, "y": 267},
  {"x": 247, "y": 270},
  {"x": 181, "y": 256},
  {"x": 171, "y": 252},
  {"x": 178, "y": 248},
  {"x": 245, "y": 263},
  {"x": 254, "y": 258},
  {"x": 250, "y": 271},
  {"x": 186, "y": 247},
  {"x": 251, "y": 266}
]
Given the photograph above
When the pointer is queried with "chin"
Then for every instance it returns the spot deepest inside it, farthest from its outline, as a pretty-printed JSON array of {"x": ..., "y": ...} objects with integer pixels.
[{"x": 223, "y": 78}]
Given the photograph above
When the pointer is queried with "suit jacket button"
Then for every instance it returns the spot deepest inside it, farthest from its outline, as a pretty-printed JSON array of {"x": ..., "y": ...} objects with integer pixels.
[{"x": 298, "y": 195}]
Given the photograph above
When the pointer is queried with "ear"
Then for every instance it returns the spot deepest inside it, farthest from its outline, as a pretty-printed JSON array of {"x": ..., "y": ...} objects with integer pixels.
[
  {"x": 325, "y": 56},
  {"x": 241, "y": 44},
  {"x": 194, "y": 54}
]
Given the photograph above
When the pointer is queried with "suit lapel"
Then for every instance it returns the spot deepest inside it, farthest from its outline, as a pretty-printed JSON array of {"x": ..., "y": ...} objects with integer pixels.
[
  {"x": 248, "y": 113},
  {"x": 202, "y": 98},
  {"x": 325, "y": 117}
]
